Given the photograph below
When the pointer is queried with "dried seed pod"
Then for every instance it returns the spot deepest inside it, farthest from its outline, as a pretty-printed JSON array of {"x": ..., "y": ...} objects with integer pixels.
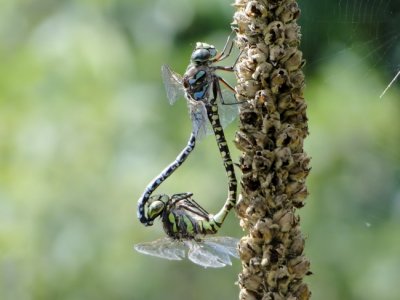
[
  {"x": 275, "y": 33},
  {"x": 255, "y": 9},
  {"x": 247, "y": 295},
  {"x": 272, "y": 129}
]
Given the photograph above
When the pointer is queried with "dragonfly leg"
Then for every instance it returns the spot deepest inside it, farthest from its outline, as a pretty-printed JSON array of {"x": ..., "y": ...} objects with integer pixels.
[
  {"x": 229, "y": 87},
  {"x": 224, "y": 55},
  {"x": 229, "y": 69},
  {"x": 181, "y": 196},
  {"x": 189, "y": 204},
  {"x": 226, "y": 84}
]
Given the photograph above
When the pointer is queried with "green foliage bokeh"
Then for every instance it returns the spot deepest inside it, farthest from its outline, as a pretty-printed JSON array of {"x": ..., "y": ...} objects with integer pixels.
[{"x": 85, "y": 125}]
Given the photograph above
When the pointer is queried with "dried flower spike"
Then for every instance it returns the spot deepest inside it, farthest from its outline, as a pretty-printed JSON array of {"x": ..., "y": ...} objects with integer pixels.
[{"x": 273, "y": 126}]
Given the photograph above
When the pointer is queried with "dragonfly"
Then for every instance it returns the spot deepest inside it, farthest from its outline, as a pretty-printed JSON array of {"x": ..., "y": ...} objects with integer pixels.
[
  {"x": 200, "y": 85},
  {"x": 188, "y": 227}
]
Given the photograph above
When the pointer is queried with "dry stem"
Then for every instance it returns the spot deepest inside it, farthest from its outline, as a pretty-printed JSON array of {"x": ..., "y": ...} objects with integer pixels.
[{"x": 273, "y": 125}]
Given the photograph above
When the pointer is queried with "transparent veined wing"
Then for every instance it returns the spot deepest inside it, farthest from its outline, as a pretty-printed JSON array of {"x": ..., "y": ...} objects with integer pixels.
[
  {"x": 165, "y": 248},
  {"x": 201, "y": 255},
  {"x": 173, "y": 84},
  {"x": 224, "y": 244},
  {"x": 229, "y": 109},
  {"x": 198, "y": 115},
  {"x": 213, "y": 252}
]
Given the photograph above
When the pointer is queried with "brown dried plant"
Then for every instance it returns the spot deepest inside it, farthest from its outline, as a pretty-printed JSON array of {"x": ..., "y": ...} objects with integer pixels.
[{"x": 273, "y": 126}]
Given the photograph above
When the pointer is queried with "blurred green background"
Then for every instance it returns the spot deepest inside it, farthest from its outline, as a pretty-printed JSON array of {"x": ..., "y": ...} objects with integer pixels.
[{"x": 85, "y": 125}]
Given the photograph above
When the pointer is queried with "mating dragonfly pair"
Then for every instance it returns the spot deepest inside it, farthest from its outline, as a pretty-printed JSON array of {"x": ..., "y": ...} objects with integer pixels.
[{"x": 185, "y": 222}]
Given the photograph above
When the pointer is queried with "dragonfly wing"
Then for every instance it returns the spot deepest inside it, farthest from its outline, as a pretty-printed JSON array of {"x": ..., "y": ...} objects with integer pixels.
[
  {"x": 227, "y": 112},
  {"x": 225, "y": 244},
  {"x": 229, "y": 109},
  {"x": 173, "y": 84},
  {"x": 198, "y": 114},
  {"x": 164, "y": 248},
  {"x": 205, "y": 256}
]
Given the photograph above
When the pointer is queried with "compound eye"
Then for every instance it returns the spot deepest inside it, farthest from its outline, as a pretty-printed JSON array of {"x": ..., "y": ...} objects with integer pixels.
[
  {"x": 155, "y": 209},
  {"x": 200, "y": 55},
  {"x": 213, "y": 52}
]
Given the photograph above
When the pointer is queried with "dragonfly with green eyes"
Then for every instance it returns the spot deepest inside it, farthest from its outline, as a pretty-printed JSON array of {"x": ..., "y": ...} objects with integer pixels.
[
  {"x": 200, "y": 86},
  {"x": 188, "y": 227},
  {"x": 187, "y": 220}
]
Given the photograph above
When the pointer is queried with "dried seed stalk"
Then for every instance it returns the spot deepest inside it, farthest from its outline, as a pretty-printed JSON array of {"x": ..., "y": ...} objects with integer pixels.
[{"x": 273, "y": 125}]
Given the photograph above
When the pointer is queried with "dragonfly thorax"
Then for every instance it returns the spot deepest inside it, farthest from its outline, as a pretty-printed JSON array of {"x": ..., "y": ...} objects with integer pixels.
[
  {"x": 196, "y": 81},
  {"x": 203, "y": 53}
]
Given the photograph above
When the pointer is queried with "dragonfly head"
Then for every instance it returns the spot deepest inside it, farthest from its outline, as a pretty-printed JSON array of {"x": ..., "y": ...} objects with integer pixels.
[
  {"x": 156, "y": 206},
  {"x": 203, "y": 53}
]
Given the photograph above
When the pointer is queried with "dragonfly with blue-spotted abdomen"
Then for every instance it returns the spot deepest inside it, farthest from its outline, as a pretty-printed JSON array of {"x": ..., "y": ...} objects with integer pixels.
[{"x": 201, "y": 87}]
